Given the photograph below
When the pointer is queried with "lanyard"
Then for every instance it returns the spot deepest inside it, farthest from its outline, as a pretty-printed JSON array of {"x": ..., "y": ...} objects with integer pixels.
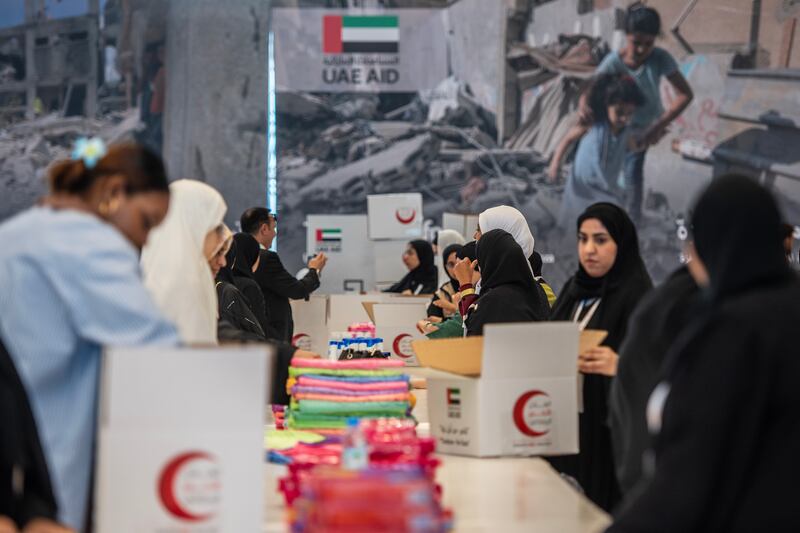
[{"x": 589, "y": 314}]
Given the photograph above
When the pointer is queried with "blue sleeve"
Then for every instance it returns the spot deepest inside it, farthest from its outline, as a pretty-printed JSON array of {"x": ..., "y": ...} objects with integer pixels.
[
  {"x": 104, "y": 292},
  {"x": 609, "y": 65},
  {"x": 667, "y": 65}
]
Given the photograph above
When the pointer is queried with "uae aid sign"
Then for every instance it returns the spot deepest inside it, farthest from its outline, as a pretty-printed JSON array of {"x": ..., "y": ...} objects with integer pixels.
[{"x": 340, "y": 51}]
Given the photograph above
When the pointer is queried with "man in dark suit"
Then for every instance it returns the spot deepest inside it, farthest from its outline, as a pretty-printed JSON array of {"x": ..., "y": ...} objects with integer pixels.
[{"x": 277, "y": 284}]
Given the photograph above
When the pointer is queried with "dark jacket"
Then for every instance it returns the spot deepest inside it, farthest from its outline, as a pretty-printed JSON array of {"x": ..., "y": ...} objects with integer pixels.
[
  {"x": 237, "y": 323},
  {"x": 278, "y": 286},
  {"x": 21, "y": 451},
  {"x": 656, "y": 323}
]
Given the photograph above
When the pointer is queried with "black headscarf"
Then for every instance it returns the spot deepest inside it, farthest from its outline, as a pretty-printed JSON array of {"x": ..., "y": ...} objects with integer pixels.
[
  {"x": 508, "y": 291},
  {"x": 620, "y": 291},
  {"x": 226, "y": 273},
  {"x": 536, "y": 263},
  {"x": 425, "y": 275},
  {"x": 628, "y": 265},
  {"x": 469, "y": 250},
  {"x": 453, "y": 248},
  {"x": 735, "y": 213},
  {"x": 247, "y": 251}
]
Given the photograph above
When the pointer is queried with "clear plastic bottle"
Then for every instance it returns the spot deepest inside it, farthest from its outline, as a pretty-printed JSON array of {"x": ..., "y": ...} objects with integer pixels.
[
  {"x": 355, "y": 453},
  {"x": 332, "y": 349}
]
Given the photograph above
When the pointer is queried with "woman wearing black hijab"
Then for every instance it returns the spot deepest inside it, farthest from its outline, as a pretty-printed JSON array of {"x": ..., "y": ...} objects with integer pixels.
[
  {"x": 508, "y": 291},
  {"x": 725, "y": 419},
  {"x": 442, "y": 305},
  {"x": 238, "y": 322},
  {"x": 245, "y": 263},
  {"x": 423, "y": 275},
  {"x": 610, "y": 281}
]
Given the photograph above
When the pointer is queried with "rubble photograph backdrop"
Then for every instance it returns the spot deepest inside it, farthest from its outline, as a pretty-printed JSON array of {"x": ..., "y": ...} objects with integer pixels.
[{"x": 463, "y": 101}]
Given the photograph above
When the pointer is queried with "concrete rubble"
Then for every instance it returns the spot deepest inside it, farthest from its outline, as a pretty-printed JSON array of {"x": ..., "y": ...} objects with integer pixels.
[{"x": 28, "y": 148}]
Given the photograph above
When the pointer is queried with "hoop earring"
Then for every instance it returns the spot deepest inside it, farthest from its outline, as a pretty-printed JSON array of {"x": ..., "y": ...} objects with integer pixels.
[
  {"x": 113, "y": 206},
  {"x": 103, "y": 208}
]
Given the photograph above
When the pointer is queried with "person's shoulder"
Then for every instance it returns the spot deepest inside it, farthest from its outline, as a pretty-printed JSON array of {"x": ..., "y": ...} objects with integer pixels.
[
  {"x": 64, "y": 235},
  {"x": 610, "y": 63},
  {"x": 662, "y": 60}
]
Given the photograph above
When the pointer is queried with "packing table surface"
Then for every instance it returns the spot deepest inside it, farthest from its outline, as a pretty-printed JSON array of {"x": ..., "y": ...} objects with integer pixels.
[
  {"x": 507, "y": 494},
  {"x": 488, "y": 495}
]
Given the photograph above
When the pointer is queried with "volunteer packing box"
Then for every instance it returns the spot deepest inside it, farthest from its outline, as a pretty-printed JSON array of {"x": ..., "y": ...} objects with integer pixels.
[
  {"x": 343, "y": 238},
  {"x": 396, "y": 323},
  {"x": 180, "y": 445},
  {"x": 310, "y": 324},
  {"x": 395, "y": 216},
  {"x": 510, "y": 392}
]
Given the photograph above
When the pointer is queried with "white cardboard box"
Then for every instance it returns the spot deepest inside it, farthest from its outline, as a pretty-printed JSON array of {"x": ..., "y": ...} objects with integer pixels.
[
  {"x": 180, "y": 444},
  {"x": 511, "y": 392},
  {"x": 343, "y": 238},
  {"x": 395, "y": 216},
  {"x": 464, "y": 224},
  {"x": 310, "y": 324},
  {"x": 396, "y": 323}
]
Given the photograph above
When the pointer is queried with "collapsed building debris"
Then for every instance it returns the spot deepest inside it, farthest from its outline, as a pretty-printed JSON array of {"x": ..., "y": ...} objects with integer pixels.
[{"x": 28, "y": 148}]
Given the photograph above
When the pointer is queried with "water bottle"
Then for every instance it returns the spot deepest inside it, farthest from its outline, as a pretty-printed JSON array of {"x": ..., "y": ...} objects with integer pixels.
[
  {"x": 355, "y": 455},
  {"x": 332, "y": 349}
]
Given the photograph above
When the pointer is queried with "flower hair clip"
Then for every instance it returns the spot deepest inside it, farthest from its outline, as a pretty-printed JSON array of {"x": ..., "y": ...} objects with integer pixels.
[{"x": 89, "y": 150}]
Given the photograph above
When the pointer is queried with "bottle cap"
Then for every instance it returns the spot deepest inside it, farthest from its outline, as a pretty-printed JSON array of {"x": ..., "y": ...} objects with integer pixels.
[{"x": 352, "y": 421}]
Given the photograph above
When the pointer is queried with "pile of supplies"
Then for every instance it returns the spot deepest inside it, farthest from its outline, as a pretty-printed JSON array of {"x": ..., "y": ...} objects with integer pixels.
[
  {"x": 326, "y": 393},
  {"x": 378, "y": 476}
]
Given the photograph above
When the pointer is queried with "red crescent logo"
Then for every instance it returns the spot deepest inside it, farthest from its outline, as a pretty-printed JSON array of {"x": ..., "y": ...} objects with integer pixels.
[
  {"x": 396, "y": 345},
  {"x": 296, "y": 338},
  {"x": 166, "y": 486},
  {"x": 405, "y": 215},
  {"x": 519, "y": 414}
]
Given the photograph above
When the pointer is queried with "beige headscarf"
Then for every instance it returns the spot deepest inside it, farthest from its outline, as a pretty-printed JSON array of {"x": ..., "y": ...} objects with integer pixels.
[{"x": 175, "y": 269}]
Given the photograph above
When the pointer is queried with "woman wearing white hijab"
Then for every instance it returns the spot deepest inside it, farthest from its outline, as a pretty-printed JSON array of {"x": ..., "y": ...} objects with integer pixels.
[
  {"x": 445, "y": 238},
  {"x": 175, "y": 261},
  {"x": 508, "y": 219}
]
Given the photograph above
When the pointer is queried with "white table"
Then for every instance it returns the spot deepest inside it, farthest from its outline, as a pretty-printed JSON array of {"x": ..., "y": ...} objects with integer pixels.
[{"x": 489, "y": 495}]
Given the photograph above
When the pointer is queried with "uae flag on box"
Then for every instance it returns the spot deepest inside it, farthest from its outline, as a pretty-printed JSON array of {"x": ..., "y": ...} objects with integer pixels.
[
  {"x": 331, "y": 236},
  {"x": 360, "y": 35}
]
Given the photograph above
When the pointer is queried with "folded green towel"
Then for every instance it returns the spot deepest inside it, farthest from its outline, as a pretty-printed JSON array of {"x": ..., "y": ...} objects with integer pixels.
[
  {"x": 325, "y": 407},
  {"x": 298, "y": 420}
]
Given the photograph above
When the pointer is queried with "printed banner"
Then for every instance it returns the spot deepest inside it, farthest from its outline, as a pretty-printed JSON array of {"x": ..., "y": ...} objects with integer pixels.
[{"x": 334, "y": 51}]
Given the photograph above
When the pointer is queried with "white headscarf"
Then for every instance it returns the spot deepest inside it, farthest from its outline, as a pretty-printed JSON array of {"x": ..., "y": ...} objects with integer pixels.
[
  {"x": 511, "y": 220},
  {"x": 175, "y": 269},
  {"x": 445, "y": 238}
]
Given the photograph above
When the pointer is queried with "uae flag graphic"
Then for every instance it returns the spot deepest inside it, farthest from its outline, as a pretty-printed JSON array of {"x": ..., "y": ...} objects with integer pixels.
[
  {"x": 360, "y": 35},
  {"x": 332, "y": 236}
]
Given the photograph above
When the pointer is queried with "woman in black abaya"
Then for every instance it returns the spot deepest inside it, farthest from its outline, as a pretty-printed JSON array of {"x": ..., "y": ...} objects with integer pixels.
[
  {"x": 725, "y": 419},
  {"x": 508, "y": 291},
  {"x": 423, "y": 275},
  {"x": 610, "y": 281}
]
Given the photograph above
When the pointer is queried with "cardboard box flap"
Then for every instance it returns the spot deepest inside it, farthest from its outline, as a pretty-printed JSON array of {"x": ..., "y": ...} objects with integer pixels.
[
  {"x": 405, "y": 314},
  {"x": 531, "y": 349},
  {"x": 369, "y": 307},
  {"x": 591, "y": 338},
  {"x": 458, "y": 356}
]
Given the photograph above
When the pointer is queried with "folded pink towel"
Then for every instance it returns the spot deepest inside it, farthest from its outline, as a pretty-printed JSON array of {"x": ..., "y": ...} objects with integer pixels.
[
  {"x": 403, "y": 397},
  {"x": 309, "y": 381},
  {"x": 359, "y": 364}
]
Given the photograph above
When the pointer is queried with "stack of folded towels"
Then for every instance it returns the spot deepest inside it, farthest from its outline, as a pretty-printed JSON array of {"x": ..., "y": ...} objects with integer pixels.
[{"x": 326, "y": 393}]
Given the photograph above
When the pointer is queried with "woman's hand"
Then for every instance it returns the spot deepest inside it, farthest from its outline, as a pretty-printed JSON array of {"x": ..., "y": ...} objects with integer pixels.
[
  {"x": 407, "y": 292},
  {"x": 464, "y": 270},
  {"x": 553, "y": 171},
  {"x": 426, "y": 326},
  {"x": 601, "y": 360},
  {"x": 447, "y": 307},
  {"x": 305, "y": 354}
]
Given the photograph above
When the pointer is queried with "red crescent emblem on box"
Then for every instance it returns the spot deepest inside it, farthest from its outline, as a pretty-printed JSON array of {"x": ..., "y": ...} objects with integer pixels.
[
  {"x": 405, "y": 215},
  {"x": 519, "y": 414},
  {"x": 168, "y": 487},
  {"x": 397, "y": 348}
]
